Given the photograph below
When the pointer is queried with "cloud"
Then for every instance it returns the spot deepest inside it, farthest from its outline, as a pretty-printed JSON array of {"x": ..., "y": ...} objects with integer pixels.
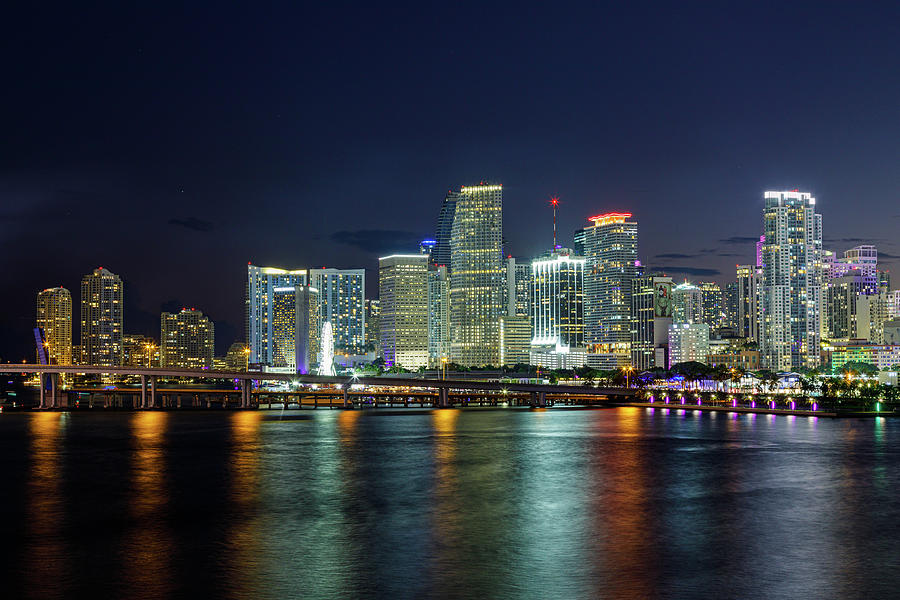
[
  {"x": 693, "y": 271},
  {"x": 192, "y": 223},
  {"x": 887, "y": 256},
  {"x": 675, "y": 255},
  {"x": 378, "y": 241},
  {"x": 739, "y": 239}
]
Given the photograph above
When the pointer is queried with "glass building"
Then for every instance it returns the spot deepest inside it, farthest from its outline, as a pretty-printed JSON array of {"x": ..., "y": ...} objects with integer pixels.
[
  {"x": 440, "y": 250},
  {"x": 792, "y": 281},
  {"x": 261, "y": 327},
  {"x": 403, "y": 293},
  {"x": 438, "y": 316},
  {"x": 186, "y": 340},
  {"x": 558, "y": 300},
  {"x": 342, "y": 303},
  {"x": 477, "y": 298}
]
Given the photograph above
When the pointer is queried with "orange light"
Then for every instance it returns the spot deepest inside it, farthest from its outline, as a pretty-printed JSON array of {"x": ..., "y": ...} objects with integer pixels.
[{"x": 609, "y": 218}]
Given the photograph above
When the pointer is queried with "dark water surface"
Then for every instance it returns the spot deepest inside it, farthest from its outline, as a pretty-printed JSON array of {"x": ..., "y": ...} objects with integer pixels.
[{"x": 463, "y": 504}]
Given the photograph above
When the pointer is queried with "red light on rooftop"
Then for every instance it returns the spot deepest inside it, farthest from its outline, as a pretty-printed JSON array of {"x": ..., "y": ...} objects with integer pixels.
[
  {"x": 795, "y": 190},
  {"x": 554, "y": 201}
]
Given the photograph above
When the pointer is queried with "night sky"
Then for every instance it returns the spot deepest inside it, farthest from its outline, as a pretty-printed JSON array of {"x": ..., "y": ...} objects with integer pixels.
[{"x": 173, "y": 144}]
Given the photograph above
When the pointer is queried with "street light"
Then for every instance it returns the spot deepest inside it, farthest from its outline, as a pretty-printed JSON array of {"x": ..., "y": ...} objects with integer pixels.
[
  {"x": 443, "y": 368},
  {"x": 246, "y": 352}
]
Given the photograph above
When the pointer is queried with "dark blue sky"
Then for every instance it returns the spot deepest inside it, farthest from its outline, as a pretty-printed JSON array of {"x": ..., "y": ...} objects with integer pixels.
[{"x": 172, "y": 144}]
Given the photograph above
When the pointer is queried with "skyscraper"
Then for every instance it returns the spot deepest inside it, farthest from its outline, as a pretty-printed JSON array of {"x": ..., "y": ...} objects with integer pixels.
[
  {"x": 713, "y": 304},
  {"x": 102, "y": 319},
  {"x": 749, "y": 289},
  {"x": 186, "y": 340},
  {"x": 403, "y": 292},
  {"x": 558, "y": 300},
  {"x": 610, "y": 248},
  {"x": 307, "y": 329},
  {"x": 440, "y": 251},
  {"x": 518, "y": 287},
  {"x": 54, "y": 316},
  {"x": 687, "y": 303},
  {"x": 438, "y": 315},
  {"x": 792, "y": 279},
  {"x": 342, "y": 303},
  {"x": 261, "y": 326},
  {"x": 373, "y": 320},
  {"x": 284, "y": 328},
  {"x": 477, "y": 274},
  {"x": 651, "y": 302}
]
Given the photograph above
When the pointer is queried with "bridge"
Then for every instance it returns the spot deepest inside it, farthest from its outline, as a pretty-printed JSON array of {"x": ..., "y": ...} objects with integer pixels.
[{"x": 440, "y": 393}]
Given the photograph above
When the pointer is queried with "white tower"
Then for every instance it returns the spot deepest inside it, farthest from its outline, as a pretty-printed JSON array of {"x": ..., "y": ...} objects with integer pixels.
[{"x": 326, "y": 363}]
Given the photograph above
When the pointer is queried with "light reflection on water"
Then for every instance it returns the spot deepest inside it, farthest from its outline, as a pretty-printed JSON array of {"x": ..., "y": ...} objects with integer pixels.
[{"x": 450, "y": 503}]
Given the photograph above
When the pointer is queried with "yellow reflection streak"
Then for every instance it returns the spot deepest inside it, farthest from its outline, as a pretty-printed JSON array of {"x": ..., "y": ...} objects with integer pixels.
[
  {"x": 45, "y": 548},
  {"x": 150, "y": 545},
  {"x": 244, "y": 538},
  {"x": 448, "y": 510}
]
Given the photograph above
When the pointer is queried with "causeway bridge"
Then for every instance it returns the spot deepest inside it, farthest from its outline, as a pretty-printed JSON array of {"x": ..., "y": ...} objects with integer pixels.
[{"x": 334, "y": 391}]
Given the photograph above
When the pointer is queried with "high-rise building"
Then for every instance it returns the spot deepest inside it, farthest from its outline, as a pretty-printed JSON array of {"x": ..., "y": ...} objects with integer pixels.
[
  {"x": 687, "y": 303},
  {"x": 892, "y": 300},
  {"x": 284, "y": 328},
  {"x": 792, "y": 279},
  {"x": 713, "y": 304},
  {"x": 54, "y": 317},
  {"x": 610, "y": 250},
  {"x": 438, "y": 316},
  {"x": 403, "y": 292},
  {"x": 308, "y": 328},
  {"x": 186, "y": 340},
  {"x": 261, "y": 327},
  {"x": 860, "y": 262},
  {"x": 140, "y": 351},
  {"x": 651, "y": 301},
  {"x": 558, "y": 299},
  {"x": 102, "y": 304},
  {"x": 688, "y": 342},
  {"x": 749, "y": 290},
  {"x": 440, "y": 253},
  {"x": 518, "y": 287},
  {"x": 840, "y": 304},
  {"x": 730, "y": 306},
  {"x": 477, "y": 298},
  {"x": 342, "y": 303},
  {"x": 515, "y": 340},
  {"x": 373, "y": 320}
]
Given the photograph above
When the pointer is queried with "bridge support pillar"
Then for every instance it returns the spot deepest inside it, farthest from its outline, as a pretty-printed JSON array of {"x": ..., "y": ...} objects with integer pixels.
[
  {"x": 153, "y": 391},
  {"x": 54, "y": 390},
  {"x": 245, "y": 393},
  {"x": 143, "y": 391},
  {"x": 443, "y": 398},
  {"x": 43, "y": 394},
  {"x": 346, "y": 395},
  {"x": 538, "y": 399}
]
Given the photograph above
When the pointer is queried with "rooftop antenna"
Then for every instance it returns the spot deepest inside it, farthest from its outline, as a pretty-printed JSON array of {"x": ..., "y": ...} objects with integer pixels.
[{"x": 554, "y": 202}]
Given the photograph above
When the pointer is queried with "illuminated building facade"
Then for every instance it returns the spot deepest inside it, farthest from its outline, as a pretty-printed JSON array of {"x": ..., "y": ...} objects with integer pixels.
[
  {"x": 284, "y": 327},
  {"x": 403, "y": 292},
  {"x": 515, "y": 340},
  {"x": 651, "y": 308},
  {"x": 792, "y": 279},
  {"x": 102, "y": 318},
  {"x": 477, "y": 298},
  {"x": 518, "y": 287},
  {"x": 140, "y": 351},
  {"x": 342, "y": 303},
  {"x": 688, "y": 342},
  {"x": 261, "y": 328},
  {"x": 438, "y": 315},
  {"x": 610, "y": 250},
  {"x": 54, "y": 317},
  {"x": 713, "y": 304},
  {"x": 558, "y": 300},
  {"x": 373, "y": 320},
  {"x": 687, "y": 303},
  {"x": 749, "y": 289},
  {"x": 187, "y": 340},
  {"x": 308, "y": 328}
]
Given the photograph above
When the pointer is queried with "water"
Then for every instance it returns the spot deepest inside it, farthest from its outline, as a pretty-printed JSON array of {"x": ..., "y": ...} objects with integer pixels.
[{"x": 612, "y": 503}]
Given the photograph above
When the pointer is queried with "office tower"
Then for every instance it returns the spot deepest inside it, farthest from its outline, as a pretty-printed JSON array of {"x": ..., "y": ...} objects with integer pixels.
[
  {"x": 515, "y": 340},
  {"x": 477, "y": 297},
  {"x": 261, "y": 284},
  {"x": 518, "y": 287},
  {"x": 308, "y": 329},
  {"x": 651, "y": 302},
  {"x": 713, "y": 310},
  {"x": 749, "y": 289},
  {"x": 578, "y": 241},
  {"x": 438, "y": 316},
  {"x": 884, "y": 280},
  {"x": 792, "y": 276},
  {"x": 403, "y": 292},
  {"x": 284, "y": 328},
  {"x": 687, "y": 303},
  {"x": 186, "y": 340},
  {"x": 326, "y": 354},
  {"x": 54, "y": 317},
  {"x": 871, "y": 316},
  {"x": 426, "y": 247},
  {"x": 892, "y": 300},
  {"x": 860, "y": 262},
  {"x": 759, "y": 250},
  {"x": 558, "y": 300},
  {"x": 101, "y": 318},
  {"x": 342, "y": 303},
  {"x": 373, "y": 319},
  {"x": 140, "y": 351},
  {"x": 610, "y": 250},
  {"x": 730, "y": 302},
  {"x": 440, "y": 253},
  {"x": 688, "y": 342}
]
